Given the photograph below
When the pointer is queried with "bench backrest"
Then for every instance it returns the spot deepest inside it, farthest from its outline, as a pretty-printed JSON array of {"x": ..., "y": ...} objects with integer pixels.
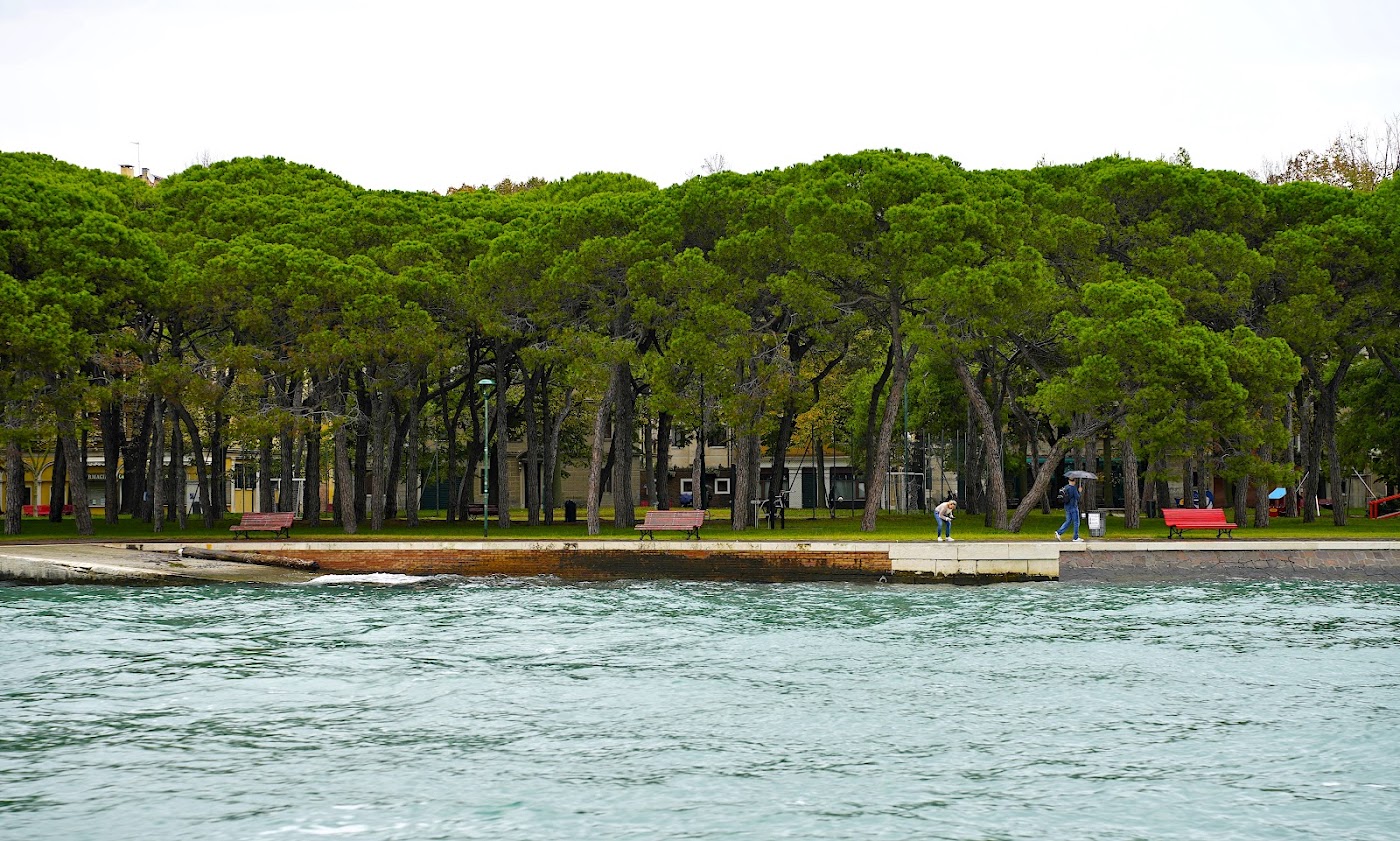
[
  {"x": 276, "y": 518},
  {"x": 1193, "y": 516},
  {"x": 681, "y": 517}
]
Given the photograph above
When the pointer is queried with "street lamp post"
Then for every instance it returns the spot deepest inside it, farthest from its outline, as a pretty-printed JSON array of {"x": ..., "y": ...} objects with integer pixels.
[{"x": 486, "y": 386}]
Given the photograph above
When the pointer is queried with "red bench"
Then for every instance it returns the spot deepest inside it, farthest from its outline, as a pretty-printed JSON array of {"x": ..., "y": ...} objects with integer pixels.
[
  {"x": 1181, "y": 519},
  {"x": 43, "y": 510},
  {"x": 279, "y": 523},
  {"x": 687, "y": 520}
]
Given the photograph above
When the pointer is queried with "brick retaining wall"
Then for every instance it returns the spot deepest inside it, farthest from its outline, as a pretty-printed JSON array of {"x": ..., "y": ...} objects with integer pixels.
[{"x": 602, "y": 564}]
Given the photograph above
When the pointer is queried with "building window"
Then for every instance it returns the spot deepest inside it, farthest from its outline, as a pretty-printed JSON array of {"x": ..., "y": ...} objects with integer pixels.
[
  {"x": 721, "y": 487},
  {"x": 686, "y": 485},
  {"x": 716, "y": 436},
  {"x": 245, "y": 476}
]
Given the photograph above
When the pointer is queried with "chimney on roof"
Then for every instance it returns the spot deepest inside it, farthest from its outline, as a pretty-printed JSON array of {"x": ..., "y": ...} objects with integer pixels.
[
  {"x": 128, "y": 170},
  {"x": 145, "y": 173}
]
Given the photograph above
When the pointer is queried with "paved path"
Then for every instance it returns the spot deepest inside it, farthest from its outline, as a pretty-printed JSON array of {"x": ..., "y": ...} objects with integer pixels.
[{"x": 97, "y": 563}]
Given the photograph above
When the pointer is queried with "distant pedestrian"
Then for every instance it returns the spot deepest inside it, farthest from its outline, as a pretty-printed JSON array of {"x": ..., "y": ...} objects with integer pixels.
[
  {"x": 1071, "y": 495},
  {"x": 943, "y": 515}
]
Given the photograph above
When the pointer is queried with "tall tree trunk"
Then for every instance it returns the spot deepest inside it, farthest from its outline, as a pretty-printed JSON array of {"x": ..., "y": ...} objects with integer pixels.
[
  {"x": 661, "y": 479},
  {"x": 1335, "y": 477},
  {"x": 501, "y": 451},
  {"x": 452, "y": 416},
  {"x": 467, "y": 491},
  {"x": 267, "y": 501},
  {"x": 311, "y": 487},
  {"x": 1242, "y": 499},
  {"x": 345, "y": 479},
  {"x": 648, "y": 462},
  {"x": 874, "y": 489},
  {"x": 177, "y": 473},
  {"x": 1132, "y": 498},
  {"x": 58, "y": 482},
  {"x": 362, "y": 434},
  {"x": 1327, "y": 409},
  {"x": 412, "y": 492},
  {"x": 595, "y": 460},
  {"x": 14, "y": 487},
  {"x": 624, "y": 433},
  {"x": 530, "y": 405},
  {"x": 697, "y": 466},
  {"x": 110, "y": 420},
  {"x": 156, "y": 471},
  {"x": 379, "y": 455},
  {"x": 1261, "y": 502},
  {"x": 991, "y": 445},
  {"x": 971, "y": 497},
  {"x": 136, "y": 457},
  {"x": 777, "y": 479},
  {"x": 201, "y": 470},
  {"x": 1261, "y": 493},
  {"x": 218, "y": 465},
  {"x": 77, "y": 472},
  {"x": 697, "y": 470},
  {"x": 286, "y": 438},
  {"x": 1312, "y": 454},
  {"x": 1290, "y": 499},
  {"x": 1207, "y": 493},
  {"x": 871, "y": 412},
  {"x": 551, "y": 453},
  {"x": 1035, "y": 467},
  {"x": 1161, "y": 488},
  {"x": 1188, "y": 481},
  {"x": 742, "y": 509},
  {"x": 398, "y": 433}
]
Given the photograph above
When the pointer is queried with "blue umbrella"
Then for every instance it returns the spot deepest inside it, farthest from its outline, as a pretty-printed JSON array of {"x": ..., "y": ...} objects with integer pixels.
[{"x": 1278, "y": 493}]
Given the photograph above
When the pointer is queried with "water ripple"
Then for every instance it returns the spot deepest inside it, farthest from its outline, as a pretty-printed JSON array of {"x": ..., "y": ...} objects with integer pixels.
[{"x": 505, "y": 708}]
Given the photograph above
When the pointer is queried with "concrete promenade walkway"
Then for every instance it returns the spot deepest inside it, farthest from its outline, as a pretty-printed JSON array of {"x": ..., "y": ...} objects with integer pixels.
[
  {"x": 971, "y": 562},
  {"x": 101, "y": 563}
]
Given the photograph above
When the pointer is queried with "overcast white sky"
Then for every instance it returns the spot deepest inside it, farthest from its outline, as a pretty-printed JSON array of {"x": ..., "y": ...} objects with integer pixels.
[{"x": 430, "y": 94}]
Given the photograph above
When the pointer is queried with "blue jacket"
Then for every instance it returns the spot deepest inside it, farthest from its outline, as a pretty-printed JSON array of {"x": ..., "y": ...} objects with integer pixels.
[{"x": 1071, "y": 497}]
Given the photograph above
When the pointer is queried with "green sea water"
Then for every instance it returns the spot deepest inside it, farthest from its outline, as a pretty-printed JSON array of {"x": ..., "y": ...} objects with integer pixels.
[{"x": 394, "y": 708}]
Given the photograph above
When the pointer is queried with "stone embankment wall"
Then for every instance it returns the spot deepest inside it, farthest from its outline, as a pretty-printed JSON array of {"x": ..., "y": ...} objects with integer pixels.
[
  {"x": 1232, "y": 560},
  {"x": 975, "y": 562}
]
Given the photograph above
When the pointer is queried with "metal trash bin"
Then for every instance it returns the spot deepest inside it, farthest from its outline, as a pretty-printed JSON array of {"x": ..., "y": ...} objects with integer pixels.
[
  {"x": 1096, "y": 519},
  {"x": 570, "y": 511}
]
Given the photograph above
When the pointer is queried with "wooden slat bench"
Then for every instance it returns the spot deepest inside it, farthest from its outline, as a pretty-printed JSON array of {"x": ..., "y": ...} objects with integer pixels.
[
  {"x": 278, "y": 522},
  {"x": 1180, "y": 519},
  {"x": 474, "y": 509},
  {"x": 687, "y": 520}
]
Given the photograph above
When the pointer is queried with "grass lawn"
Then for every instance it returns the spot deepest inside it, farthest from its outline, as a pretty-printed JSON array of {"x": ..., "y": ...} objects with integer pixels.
[{"x": 801, "y": 526}]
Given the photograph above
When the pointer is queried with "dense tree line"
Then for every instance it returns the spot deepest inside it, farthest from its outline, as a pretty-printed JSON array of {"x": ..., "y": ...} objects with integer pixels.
[{"x": 1142, "y": 311}]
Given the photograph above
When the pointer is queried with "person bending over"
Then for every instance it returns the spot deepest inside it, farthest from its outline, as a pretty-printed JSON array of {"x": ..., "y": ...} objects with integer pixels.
[{"x": 943, "y": 514}]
